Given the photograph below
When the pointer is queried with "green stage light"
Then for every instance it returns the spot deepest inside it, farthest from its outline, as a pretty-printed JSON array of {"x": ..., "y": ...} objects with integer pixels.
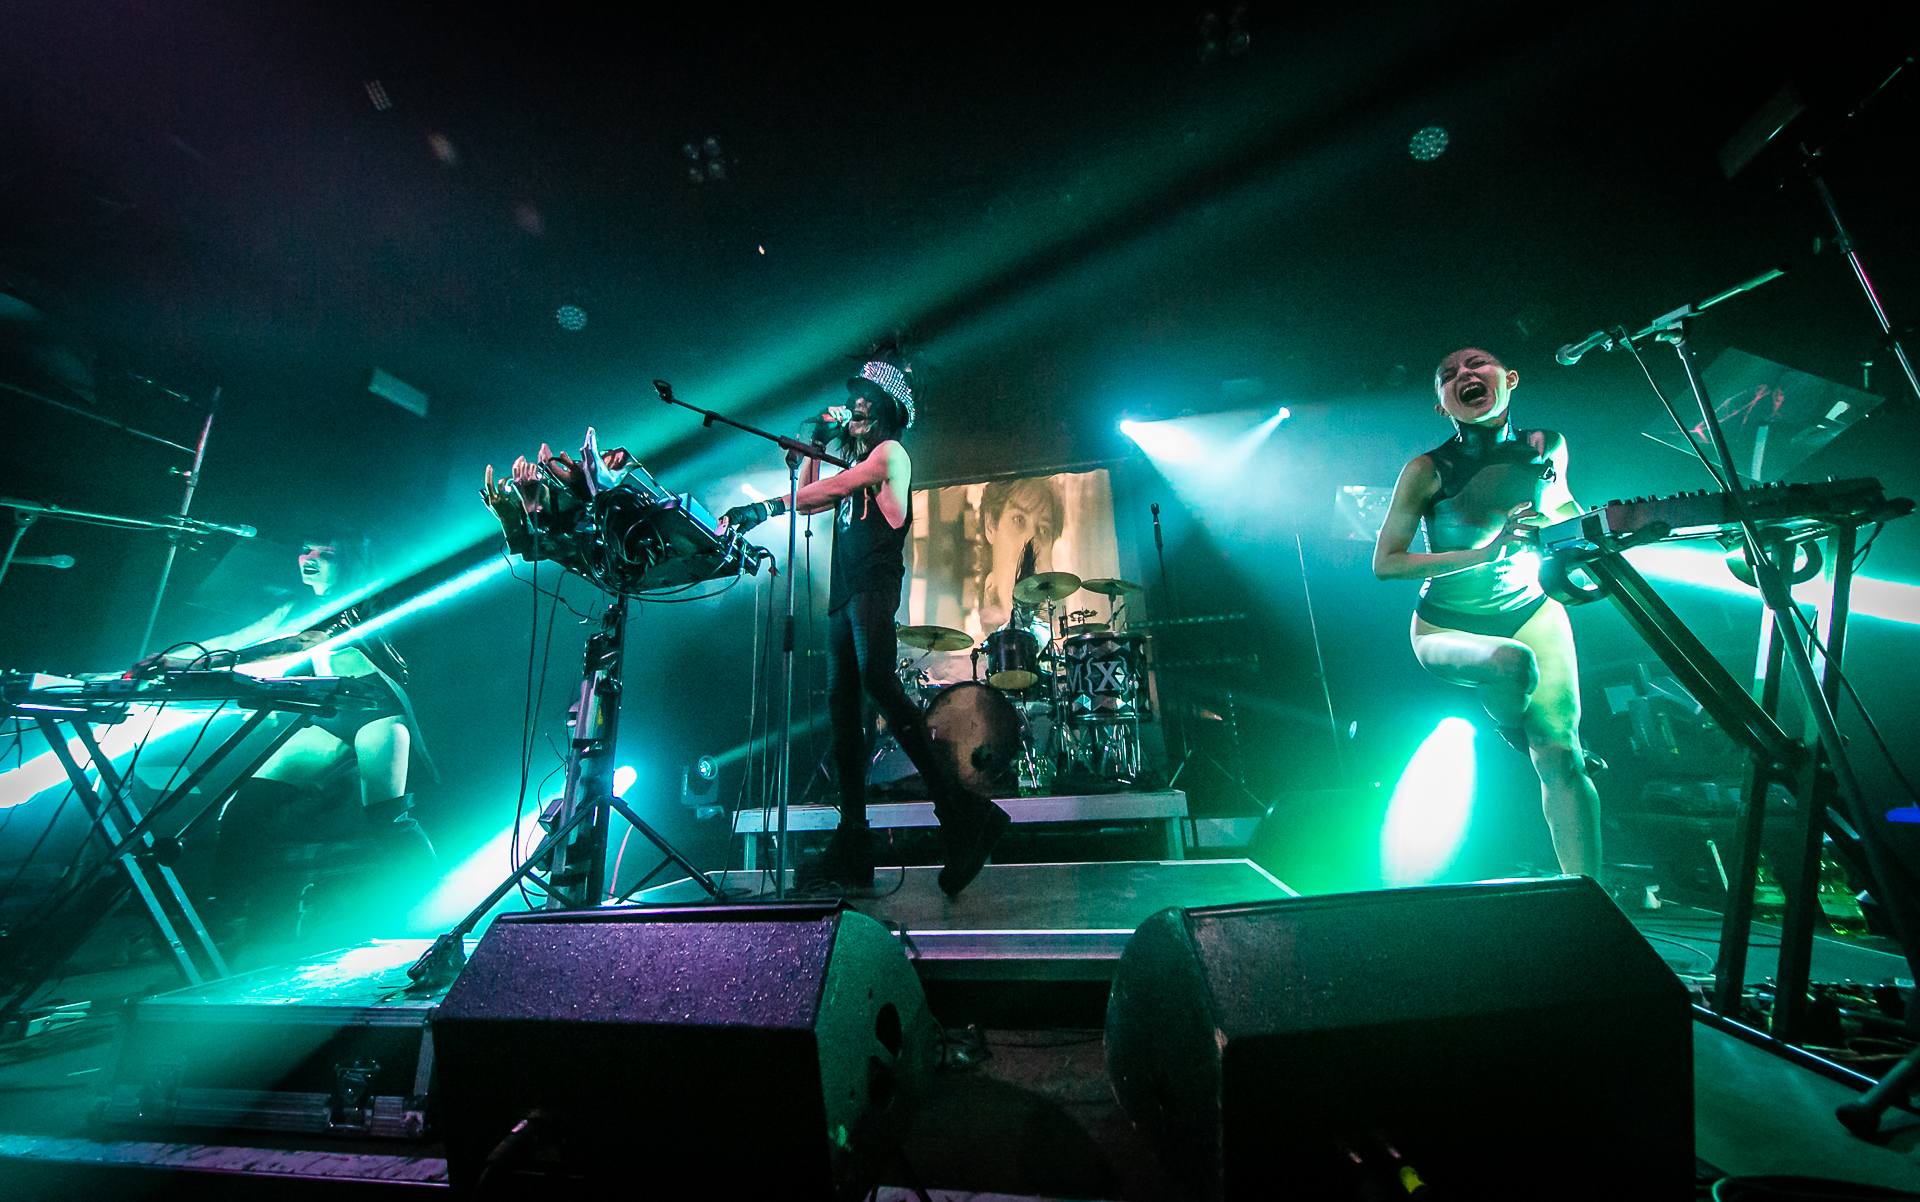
[
  {"x": 1427, "y": 818},
  {"x": 1871, "y": 598},
  {"x": 460, "y": 890},
  {"x": 439, "y": 594}
]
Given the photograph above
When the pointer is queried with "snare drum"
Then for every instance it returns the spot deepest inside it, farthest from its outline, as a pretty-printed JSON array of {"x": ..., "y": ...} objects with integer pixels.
[
  {"x": 980, "y": 731},
  {"x": 1011, "y": 655},
  {"x": 1105, "y": 677}
]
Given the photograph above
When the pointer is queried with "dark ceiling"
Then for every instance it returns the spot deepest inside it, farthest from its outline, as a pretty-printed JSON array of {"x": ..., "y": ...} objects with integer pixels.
[{"x": 1064, "y": 214}]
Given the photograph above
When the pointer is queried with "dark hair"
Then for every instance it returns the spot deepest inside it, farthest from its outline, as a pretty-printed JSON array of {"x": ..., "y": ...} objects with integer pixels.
[
  {"x": 889, "y": 420},
  {"x": 1035, "y": 494},
  {"x": 353, "y": 551}
]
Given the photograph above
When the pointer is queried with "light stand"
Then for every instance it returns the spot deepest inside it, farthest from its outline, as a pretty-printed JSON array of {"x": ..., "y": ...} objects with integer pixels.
[{"x": 796, "y": 450}]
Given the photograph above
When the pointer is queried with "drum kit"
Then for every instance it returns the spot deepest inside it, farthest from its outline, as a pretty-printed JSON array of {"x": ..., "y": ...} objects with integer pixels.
[{"x": 1062, "y": 692}]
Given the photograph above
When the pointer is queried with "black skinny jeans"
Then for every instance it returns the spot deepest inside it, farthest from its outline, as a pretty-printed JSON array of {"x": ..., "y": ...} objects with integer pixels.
[{"x": 860, "y": 651}]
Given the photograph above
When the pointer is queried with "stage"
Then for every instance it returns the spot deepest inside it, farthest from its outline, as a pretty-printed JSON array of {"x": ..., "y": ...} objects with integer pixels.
[{"x": 1016, "y": 971}]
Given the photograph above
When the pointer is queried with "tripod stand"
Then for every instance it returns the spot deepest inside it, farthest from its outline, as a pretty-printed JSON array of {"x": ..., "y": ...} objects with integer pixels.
[{"x": 575, "y": 847}]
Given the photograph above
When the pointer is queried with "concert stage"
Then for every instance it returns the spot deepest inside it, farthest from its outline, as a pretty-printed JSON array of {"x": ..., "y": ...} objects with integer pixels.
[{"x": 1016, "y": 970}]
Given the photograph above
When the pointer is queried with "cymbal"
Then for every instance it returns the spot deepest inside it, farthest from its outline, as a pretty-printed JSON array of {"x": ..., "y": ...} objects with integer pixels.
[
  {"x": 1110, "y": 587},
  {"x": 933, "y": 638},
  {"x": 1046, "y": 586},
  {"x": 1085, "y": 628}
]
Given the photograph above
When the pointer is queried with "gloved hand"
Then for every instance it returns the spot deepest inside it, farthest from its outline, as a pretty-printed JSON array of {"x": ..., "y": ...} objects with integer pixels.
[
  {"x": 746, "y": 517},
  {"x": 822, "y": 429}
]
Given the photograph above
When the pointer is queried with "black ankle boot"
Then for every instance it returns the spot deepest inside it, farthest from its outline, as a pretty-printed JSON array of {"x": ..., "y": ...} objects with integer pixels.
[
  {"x": 974, "y": 826},
  {"x": 847, "y": 861},
  {"x": 394, "y": 828}
]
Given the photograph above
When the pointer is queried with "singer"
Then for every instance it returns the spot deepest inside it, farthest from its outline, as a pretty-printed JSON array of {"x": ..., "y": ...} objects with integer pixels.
[
  {"x": 1482, "y": 620},
  {"x": 873, "y": 507}
]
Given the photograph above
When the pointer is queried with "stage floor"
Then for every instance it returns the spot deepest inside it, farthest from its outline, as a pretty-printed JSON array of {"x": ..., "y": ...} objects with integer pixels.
[
  {"x": 1033, "y": 1117},
  {"x": 1026, "y": 921}
]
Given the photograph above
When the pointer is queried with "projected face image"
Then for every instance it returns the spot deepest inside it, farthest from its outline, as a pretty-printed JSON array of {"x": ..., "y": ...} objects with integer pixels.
[
  {"x": 1474, "y": 388},
  {"x": 1015, "y": 516},
  {"x": 319, "y": 567}
]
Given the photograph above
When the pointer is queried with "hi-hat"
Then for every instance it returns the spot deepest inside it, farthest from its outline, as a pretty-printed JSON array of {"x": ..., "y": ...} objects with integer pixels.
[
  {"x": 933, "y": 638},
  {"x": 1046, "y": 586},
  {"x": 1110, "y": 587}
]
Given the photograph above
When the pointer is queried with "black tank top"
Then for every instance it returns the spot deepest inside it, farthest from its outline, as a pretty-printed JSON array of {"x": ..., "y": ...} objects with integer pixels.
[{"x": 869, "y": 553}]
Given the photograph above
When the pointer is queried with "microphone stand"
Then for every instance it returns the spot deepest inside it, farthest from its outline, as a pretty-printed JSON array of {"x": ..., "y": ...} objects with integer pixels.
[
  {"x": 173, "y": 537},
  {"x": 796, "y": 450},
  {"x": 1166, "y": 590},
  {"x": 25, "y": 513}
]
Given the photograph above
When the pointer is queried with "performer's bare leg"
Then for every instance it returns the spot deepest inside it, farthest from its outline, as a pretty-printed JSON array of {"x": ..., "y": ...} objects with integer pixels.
[
  {"x": 381, "y": 747},
  {"x": 1531, "y": 681}
]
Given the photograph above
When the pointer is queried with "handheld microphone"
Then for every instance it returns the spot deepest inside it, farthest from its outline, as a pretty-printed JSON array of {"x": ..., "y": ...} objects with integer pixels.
[
  {"x": 1157, "y": 545},
  {"x": 665, "y": 390},
  {"x": 1569, "y": 354}
]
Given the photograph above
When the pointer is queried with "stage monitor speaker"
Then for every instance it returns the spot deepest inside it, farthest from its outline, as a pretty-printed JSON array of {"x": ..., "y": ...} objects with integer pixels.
[
  {"x": 770, "y": 1048},
  {"x": 1507, "y": 1040}
]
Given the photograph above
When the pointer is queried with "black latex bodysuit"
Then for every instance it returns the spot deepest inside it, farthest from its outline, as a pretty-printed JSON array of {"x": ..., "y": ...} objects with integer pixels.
[{"x": 1484, "y": 473}]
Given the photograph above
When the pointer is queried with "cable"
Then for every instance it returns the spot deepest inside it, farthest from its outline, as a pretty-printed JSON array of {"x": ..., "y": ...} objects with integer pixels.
[
  {"x": 193, "y": 747},
  {"x": 1874, "y": 727},
  {"x": 1860, "y": 556},
  {"x": 753, "y": 710},
  {"x": 506, "y": 554},
  {"x": 531, "y": 717},
  {"x": 1685, "y": 431},
  {"x": 1712, "y": 960}
]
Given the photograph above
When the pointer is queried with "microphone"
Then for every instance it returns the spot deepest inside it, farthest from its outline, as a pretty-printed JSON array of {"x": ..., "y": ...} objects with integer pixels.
[
  {"x": 46, "y": 561},
  {"x": 1157, "y": 545},
  {"x": 1569, "y": 354},
  {"x": 665, "y": 390}
]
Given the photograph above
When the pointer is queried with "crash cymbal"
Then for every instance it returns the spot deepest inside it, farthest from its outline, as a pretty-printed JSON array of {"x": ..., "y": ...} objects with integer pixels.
[
  {"x": 1110, "y": 587},
  {"x": 1042, "y": 587},
  {"x": 933, "y": 638}
]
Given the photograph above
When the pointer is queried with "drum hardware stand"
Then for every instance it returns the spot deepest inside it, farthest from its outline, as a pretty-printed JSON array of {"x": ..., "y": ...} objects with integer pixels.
[
  {"x": 1823, "y": 773},
  {"x": 796, "y": 451},
  {"x": 575, "y": 847}
]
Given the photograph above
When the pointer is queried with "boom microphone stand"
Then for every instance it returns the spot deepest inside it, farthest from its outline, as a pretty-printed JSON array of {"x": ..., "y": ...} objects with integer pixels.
[{"x": 796, "y": 450}]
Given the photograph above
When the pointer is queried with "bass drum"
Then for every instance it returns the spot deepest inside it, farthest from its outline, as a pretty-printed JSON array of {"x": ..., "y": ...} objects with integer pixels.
[{"x": 980, "y": 733}]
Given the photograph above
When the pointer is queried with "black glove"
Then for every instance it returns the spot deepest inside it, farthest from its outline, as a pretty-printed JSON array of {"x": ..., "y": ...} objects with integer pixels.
[
  {"x": 746, "y": 517},
  {"x": 820, "y": 431}
]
